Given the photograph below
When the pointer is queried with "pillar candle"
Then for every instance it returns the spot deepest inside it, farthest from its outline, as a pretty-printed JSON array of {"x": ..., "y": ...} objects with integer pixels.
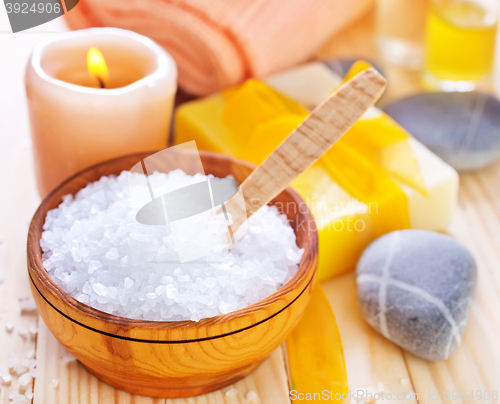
[{"x": 75, "y": 123}]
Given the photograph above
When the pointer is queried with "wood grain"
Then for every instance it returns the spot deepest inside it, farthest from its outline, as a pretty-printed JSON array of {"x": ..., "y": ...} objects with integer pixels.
[
  {"x": 370, "y": 360},
  {"x": 79, "y": 386},
  {"x": 182, "y": 358}
]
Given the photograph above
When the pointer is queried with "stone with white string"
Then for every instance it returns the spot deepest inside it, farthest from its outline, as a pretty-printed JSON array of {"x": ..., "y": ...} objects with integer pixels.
[
  {"x": 415, "y": 287},
  {"x": 462, "y": 128}
]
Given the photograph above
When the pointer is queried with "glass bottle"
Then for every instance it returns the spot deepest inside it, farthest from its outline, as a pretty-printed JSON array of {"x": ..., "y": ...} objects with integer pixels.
[
  {"x": 460, "y": 44},
  {"x": 400, "y": 28}
]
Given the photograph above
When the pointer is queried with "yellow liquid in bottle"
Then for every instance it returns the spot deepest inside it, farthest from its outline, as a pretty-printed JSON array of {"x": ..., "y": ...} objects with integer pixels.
[{"x": 460, "y": 41}]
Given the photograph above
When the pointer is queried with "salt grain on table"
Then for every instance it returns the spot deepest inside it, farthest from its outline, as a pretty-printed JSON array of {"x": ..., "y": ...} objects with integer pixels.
[
  {"x": 9, "y": 326},
  {"x": 30, "y": 354},
  {"x": 231, "y": 392},
  {"x": 6, "y": 378},
  {"x": 96, "y": 251},
  {"x": 22, "y": 331},
  {"x": 24, "y": 380},
  {"x": 27, "y": 306},
  {"x": 252, "y": 397},
  {"x": 33, "y": 330},
  {"x": 12, "y": 360}
]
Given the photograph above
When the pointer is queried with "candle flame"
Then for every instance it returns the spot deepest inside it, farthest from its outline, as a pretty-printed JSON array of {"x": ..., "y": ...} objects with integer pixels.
[{"x": 97, "y": 65}]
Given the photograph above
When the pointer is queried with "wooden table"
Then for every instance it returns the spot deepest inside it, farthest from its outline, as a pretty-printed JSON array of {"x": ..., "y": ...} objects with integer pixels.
[{"x": 372, "y": 361}]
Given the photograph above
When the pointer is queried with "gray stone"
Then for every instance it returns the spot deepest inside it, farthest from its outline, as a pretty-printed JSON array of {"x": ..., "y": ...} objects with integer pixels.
[
  {"x": 342, "y": 66},
  {"x": 462, "y": 128},
  {"x": 415, "y": 287}
]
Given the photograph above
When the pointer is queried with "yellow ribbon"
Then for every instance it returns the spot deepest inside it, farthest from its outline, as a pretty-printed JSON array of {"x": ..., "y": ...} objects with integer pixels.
[{"x": 365, "y": 162}]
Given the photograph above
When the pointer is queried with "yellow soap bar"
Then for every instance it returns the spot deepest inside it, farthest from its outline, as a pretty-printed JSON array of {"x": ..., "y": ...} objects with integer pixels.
[
  {"x": 344, "y": 223},
  {"x": 376, "y": 165},
  {"x": 315, "y": 354}
]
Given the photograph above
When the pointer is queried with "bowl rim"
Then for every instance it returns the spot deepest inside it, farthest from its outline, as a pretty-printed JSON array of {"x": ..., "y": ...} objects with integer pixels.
[{"x": 36, "y": 268}]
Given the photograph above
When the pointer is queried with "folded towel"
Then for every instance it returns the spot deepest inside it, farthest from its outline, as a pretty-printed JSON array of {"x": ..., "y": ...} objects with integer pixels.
[{"x": 219, "y": 43}]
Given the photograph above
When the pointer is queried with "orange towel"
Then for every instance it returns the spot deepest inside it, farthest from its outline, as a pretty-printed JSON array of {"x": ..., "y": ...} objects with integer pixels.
[{"x": 219, "y": 43}]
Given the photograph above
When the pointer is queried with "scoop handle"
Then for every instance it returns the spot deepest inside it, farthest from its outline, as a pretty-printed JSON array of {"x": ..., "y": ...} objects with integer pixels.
[{"x": 326, "y": 124}]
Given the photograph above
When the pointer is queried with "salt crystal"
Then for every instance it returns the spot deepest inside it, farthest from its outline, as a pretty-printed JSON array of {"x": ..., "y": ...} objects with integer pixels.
[
  {"x": 20, "y": 369},
  {"x": 15, "y": 396},
  {"x": 128, "y": 283},
  {"x": 252, "y": 397},
  {"x": 231, "y": 392},
  {"x": 33, "y": 373},
  {"x": 22, "y": 331},
  {"x": 12, "y": 360},
  {"x": 93, "y": 265},
  {"x": 166, "y": 280},
  {"x": 24, "y": 380},
  {"x": 6, "y": 378},
  {"x": 68, "y": 358},
  {"x": 100, "y": 289},
  {"x": 55, "y": 383},
  {"x": 28, "y": 305},
  {"x": 112, "y": 254},
  {"x": 30, "y": 354},
  {"x": 29, "y": 395},
  {"x": 33, "y": 330},
  {"x": 95, "y": 250},
  {"x": 404, "y": 382},
  {"x": 9, "y": 326},
  {"x": 380, "y": 387}
]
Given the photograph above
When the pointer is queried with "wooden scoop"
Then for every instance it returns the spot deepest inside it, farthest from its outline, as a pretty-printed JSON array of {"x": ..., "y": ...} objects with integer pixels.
[{"x": 327, "y": 123}]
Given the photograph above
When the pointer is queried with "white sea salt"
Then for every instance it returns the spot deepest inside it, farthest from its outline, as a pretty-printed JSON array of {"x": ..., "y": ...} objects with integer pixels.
[
  {"x": 22, "y": 331},
  {"x": 33, "y": 330},
  {"x": 9, "y": 326},
  {"x": 231, "y": 392},
  {"x": 15, "y": 396},
  {"x": 6, "y": 378},
  {"x": 20, "y": 369},
  {"x": 96, "y": 251},
  {"x": 55, "y": 383},
  {"x": 27, "y": 306},
  {"x": 24, "y": 380},
  {"x": 12, "y": 360},
  {"x": 252, "y": 397}
]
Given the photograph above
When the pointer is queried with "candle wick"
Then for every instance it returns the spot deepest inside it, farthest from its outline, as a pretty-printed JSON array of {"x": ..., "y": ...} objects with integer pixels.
[{"x": 101, "y": 83}]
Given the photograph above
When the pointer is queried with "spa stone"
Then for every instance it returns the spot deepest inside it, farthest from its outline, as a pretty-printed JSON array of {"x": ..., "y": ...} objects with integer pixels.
[
  {"x": 462, "y": 128},
  {"x": 415, "y": 287},
  {"x": 342, "y": 66}
]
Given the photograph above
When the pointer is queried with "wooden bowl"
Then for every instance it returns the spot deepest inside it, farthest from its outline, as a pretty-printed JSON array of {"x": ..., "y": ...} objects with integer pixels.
[{"x": 173, "y": 359}]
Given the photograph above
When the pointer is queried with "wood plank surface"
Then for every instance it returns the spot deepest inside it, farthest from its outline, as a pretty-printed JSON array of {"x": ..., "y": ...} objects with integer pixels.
[{"x": 372, "y": 361}]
